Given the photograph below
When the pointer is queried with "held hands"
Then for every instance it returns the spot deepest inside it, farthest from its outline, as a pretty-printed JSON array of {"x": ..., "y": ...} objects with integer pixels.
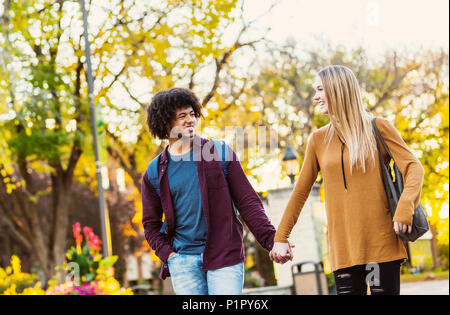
[
  {"x": 281, "y": 252},
  {"x": 401, "y": 227}
]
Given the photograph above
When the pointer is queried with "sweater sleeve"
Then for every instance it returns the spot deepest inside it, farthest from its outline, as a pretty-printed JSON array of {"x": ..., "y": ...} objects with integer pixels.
[
  {"x": 410, "y": 168},
  {"x": 308, "y": 175}
]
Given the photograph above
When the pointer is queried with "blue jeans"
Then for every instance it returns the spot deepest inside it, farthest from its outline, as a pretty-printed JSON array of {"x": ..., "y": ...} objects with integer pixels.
[{"x": 188, "y": 278}]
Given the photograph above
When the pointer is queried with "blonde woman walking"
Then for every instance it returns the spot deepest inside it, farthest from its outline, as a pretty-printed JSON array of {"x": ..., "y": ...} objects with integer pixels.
[{"x": 363, "y": 236}]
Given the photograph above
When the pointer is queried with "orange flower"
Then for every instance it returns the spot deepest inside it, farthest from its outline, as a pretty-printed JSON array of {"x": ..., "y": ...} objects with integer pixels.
[{"x": 76, "y": 228}]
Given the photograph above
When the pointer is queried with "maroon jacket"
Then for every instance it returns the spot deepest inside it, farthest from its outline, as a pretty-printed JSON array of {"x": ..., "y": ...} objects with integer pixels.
[{"x": 224, "y": 234}]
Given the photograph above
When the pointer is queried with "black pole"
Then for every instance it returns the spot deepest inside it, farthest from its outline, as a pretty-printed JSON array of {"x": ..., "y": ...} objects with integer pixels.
[{"x": 104, "y": 215}]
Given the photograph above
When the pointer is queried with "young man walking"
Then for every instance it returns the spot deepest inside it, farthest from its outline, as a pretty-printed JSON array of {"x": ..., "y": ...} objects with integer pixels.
[{"x": 195, "y": 191}]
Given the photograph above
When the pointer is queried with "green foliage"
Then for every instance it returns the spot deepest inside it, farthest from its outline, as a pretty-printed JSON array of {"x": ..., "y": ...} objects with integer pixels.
[
  {"x": 87, "y": 262},
  {"x": 92, "y": 265},
  {"x": 444, "y": 255},
  {"x": 41, "y": 145},
  {"x": 87, "y": 258}
]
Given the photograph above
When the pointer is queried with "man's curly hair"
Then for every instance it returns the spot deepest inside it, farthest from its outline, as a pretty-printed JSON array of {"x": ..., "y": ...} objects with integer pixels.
[{"x": 161, "y": 111}]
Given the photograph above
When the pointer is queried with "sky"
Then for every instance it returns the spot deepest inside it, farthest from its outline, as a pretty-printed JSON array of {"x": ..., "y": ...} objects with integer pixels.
[{"x": 377, "y": 24}]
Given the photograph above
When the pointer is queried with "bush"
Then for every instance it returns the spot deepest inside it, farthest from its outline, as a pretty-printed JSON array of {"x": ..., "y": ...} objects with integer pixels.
[
  {"x": 92, "y": 274},
  {"x": 443, "y": 255},
  {"x": 13, "y": 281}
]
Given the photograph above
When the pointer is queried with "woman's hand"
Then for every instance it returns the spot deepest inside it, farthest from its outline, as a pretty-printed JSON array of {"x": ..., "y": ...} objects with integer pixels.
[
  {"x": 281, "y": 252},
  {"x": 401, "y": 227}
]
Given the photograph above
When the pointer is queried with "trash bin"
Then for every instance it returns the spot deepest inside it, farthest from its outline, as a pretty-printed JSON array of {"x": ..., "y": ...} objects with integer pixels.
[{"x": 313, "y": 282}]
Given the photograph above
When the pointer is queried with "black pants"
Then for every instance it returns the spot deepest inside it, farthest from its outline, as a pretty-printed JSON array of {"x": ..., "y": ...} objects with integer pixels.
[{"x": 382, "y": 279}]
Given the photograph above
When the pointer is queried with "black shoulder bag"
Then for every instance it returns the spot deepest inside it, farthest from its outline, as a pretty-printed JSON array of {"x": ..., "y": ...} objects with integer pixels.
[{"x": 394, "y": 189}]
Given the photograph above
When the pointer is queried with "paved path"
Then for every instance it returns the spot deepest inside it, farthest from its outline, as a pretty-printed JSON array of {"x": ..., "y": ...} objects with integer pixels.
[{"x": 437, "y": 287}]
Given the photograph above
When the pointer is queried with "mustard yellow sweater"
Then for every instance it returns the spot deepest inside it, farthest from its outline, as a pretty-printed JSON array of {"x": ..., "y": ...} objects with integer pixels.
[{"x": 360, "y": 225}]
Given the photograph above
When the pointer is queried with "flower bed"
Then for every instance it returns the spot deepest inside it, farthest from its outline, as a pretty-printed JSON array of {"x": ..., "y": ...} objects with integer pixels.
[{"x": 90, "y": 273}]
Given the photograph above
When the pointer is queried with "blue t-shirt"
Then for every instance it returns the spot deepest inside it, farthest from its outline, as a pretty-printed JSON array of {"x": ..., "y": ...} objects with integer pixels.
[{"x": 190, "y": 224}]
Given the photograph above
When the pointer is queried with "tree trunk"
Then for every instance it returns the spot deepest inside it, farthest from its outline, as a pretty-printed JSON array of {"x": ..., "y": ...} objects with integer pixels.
[
  {"x": 38, "y": 241},
  {"x": 41, "y": 253},
  {"x": 139, "y": 268},
  {"x": 434, "y": 248},
  {"x": 6, "y": 255},
  {"x": 61, "y": 223}
]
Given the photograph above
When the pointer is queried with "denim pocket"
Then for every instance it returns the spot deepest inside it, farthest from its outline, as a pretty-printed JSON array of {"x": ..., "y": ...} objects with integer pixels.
[
  {"x": 171, "y": 258},
  {"x": 187, "y": 275}
]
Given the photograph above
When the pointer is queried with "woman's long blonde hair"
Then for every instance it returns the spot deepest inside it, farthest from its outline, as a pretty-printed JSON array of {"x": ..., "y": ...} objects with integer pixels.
[{"x": 348, "y": 115}]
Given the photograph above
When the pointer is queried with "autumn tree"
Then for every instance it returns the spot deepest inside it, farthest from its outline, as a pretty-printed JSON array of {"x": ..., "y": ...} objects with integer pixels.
[{"x": 46, "y": 133}]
